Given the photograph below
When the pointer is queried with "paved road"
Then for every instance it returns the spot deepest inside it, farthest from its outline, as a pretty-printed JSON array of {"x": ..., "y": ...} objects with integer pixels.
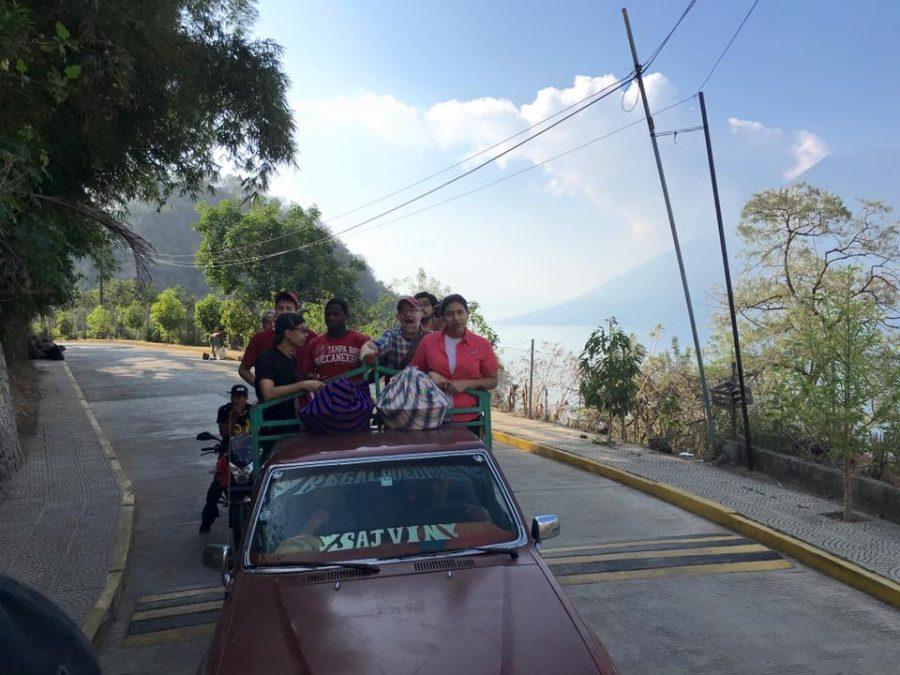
[{"x": 666, "y": 591}]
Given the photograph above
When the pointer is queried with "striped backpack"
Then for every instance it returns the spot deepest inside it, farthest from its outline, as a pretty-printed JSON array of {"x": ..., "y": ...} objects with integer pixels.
[
  {"x": 412, "y": 400},
  {"x": 340, "y": 406}
]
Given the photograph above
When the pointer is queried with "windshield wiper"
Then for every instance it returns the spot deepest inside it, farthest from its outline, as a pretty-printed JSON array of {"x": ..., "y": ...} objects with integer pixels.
[
  {"x": 368, "y": 567},
  {"x": 513, "y": 553}
]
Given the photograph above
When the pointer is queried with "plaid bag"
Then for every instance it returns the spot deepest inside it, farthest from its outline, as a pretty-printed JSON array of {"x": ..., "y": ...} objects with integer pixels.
[
  {"x": 340, "y": 406},
  {"x": 413, "y": 401}
]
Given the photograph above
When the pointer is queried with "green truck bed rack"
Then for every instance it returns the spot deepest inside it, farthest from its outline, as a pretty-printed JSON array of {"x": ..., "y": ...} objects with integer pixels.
[{"x": 266, "y": 432}]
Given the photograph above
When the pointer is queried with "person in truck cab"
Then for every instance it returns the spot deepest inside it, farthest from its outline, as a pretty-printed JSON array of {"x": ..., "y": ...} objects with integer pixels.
[
  {"x": 396, "y": 346},
  {"x": 336, "y": 351},
  {"x": 456, "y": 358},
  {"x": 285, "y": 301}
]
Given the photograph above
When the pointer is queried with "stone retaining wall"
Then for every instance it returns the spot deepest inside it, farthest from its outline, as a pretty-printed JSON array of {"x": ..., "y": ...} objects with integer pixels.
[{"x": 870, "y": 495}]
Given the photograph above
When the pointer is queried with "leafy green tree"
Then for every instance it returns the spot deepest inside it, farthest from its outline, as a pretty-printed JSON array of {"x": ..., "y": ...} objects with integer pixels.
[
  {"x": 209, "y": 313},
  {"x": 65, "y": 328},
  {"x": 853, "y": 387},
  {"x": 250, "y": 254},
  {"x": 169, "y": 314},
  {"x": 238, "y": 321},
  {"x": 134, "y": 317},
  {"x": 100, "y": 322},
  {"x": 609, "y": 366},
  {"x": 116, "y": 101}
]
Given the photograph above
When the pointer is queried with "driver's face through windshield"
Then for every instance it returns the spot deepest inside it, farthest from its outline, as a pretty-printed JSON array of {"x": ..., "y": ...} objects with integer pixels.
[{"x": 381, "y": 510}]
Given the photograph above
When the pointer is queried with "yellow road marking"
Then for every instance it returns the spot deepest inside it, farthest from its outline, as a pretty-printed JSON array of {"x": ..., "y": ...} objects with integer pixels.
[
  {"x": 676, "y": 553},
  {"x": 716, "y": 568},
  {"x": 170, "y": 635},
  {"x": 176, "y": 611},
  {"x": 646, "y": 542},
  {"x": 180, "y": 594}
]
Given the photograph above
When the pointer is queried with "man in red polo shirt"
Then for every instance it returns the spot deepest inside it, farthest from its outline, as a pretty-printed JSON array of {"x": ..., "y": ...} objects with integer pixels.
[
  {"x": 285, "y": 301},
  {"x": 335, "y": 352}
]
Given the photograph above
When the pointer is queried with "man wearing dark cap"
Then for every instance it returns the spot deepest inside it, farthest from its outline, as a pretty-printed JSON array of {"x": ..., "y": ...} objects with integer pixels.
[
  {"x": 285, "y": 301},
  {"x": 275, "y": 372},
  {"x": 395, "y": 347},
  {"x": 428, "y": 304},
  {"x": 233, "y": 418}
]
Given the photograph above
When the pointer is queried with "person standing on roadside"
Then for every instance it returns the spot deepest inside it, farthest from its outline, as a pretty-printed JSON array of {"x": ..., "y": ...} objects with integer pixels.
[
  {"x": 336, "y": 351},
  {"x": 396, "y": 346},
  {"x": 285, "y": 301},
  {"x": 275, "y": 372}
]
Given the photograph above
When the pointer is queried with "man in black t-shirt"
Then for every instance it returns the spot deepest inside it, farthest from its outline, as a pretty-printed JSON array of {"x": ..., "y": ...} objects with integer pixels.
[
  {"x": 276, "y": 375},
  {"x": 233, "y": 418}
]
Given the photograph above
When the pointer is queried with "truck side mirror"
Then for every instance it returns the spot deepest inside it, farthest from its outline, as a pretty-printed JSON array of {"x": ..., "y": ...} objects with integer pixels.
[
  {"x": 545, "y": 527},
  {"x": 216, "y": 556}
]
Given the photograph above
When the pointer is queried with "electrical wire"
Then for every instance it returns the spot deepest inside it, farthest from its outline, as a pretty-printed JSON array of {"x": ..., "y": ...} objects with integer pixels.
[
  {"x": 666, "y": 39},
  {"x": 492, "y": 183},
  {"x": 494, "y": 158},
  {"x": 426, "y": 178},
  {"x": 728, "y": 46}
]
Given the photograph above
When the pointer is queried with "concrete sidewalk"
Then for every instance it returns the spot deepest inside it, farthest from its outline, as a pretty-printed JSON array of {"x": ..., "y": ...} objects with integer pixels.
[
  {"x": 873, "y": 544},
  {"x": 61, "y": 514}
]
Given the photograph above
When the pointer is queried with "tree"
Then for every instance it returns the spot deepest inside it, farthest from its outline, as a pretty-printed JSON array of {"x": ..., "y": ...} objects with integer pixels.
[
  {"x": 853, "y": 387},
  {"x": 209, "y": 313},
  {"x": 239, "y": 322},
  {"x": 100, "y": 322},
  {"x": 117, "y": 101},
  {"x": 134, "y": 317},
  {"x": 249, "y": 254},
  {"x": 168, "y": 313},
  {"x": 609, "y": 365},
  {"x": 64, "y": 326}
]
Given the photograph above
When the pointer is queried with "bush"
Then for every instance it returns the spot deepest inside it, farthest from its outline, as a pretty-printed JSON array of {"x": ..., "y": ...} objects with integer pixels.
[
  {"x": 100, "y": 322},
  {"x": 209, "y": 313},
  {"x": 133, "y": 317},
  {"x": 65, "y": 327},
  {"x": 168, "y": 313},
  {"x": 239, "y": 322}
]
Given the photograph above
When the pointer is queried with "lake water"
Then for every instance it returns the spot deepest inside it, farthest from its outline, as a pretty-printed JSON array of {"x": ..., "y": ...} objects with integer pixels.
[{"x": 516, "y": 339}]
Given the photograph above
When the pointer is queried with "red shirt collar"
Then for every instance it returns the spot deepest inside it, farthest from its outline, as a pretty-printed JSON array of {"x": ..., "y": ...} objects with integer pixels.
[{"x": 464, "y": 338}]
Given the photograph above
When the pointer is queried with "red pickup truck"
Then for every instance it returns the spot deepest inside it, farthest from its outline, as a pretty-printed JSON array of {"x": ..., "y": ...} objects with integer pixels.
[{"x": 393, "y": 552}]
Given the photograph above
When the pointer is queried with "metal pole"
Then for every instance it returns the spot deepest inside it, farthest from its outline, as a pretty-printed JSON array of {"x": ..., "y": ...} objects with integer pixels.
[
  {"x": 734, "y": 327},
  {"x": 638, "y": 69},
  {"x": 531, "y": 379}
]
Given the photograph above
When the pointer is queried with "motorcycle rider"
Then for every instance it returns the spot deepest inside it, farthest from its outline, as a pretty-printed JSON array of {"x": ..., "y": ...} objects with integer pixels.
[{"x": 233, "y": 418}]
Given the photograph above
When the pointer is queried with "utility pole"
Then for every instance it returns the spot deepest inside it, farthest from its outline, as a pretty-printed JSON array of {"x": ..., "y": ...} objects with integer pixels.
[
  {"x": 638, "y": 69},
  {"x": 531, "y": 379},
  {"x": 734, "y": 327}
]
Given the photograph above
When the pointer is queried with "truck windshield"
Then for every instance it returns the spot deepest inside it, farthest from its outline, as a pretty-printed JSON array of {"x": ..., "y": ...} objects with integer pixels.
[{"x": 380, "y": 509}]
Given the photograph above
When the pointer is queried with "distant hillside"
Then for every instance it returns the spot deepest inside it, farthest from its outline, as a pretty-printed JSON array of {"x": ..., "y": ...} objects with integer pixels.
[
  {"x": 651, "y": 293},
  {"x": 170, "y": 231},
  {"x": 646, "y": 295}
]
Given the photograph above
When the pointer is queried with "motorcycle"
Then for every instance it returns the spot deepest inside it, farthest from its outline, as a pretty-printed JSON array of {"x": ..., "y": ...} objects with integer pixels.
[{"x": 234, "y": 473}]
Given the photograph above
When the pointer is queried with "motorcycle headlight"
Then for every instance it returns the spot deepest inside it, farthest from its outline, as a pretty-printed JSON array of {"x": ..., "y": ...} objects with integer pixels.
[{"x": 241, "y": 475}]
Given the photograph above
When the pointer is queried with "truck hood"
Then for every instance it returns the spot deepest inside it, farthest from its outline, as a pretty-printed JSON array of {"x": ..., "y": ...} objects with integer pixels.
[{"x": 501, "y": 618}]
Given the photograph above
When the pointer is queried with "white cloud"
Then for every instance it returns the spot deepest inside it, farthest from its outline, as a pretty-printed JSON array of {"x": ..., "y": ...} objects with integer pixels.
[
  {"x": 808, "y": 150},
  {"x": 739, "y": 126}
]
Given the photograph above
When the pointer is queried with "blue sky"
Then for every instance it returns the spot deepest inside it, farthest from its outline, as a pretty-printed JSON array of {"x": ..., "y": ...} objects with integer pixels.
[{"x": 386, "y": 93}]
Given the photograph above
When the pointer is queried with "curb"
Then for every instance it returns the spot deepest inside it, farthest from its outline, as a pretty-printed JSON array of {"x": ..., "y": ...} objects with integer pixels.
[
  {"x": 845, "y": 571},
  {"x": 95, "y": 624}
]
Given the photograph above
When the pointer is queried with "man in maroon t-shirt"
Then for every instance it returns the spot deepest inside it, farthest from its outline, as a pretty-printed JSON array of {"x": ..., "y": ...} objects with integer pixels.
[
  {"x": 285, "y": 301},
  {"x": 337, "y": 351}
]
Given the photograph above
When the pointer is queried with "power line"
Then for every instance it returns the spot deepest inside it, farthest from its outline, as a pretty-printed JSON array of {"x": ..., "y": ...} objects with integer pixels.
[
  {"x": 665, "y": 40},
  {"x": 494, "y": 182},
  {"x": 426, "y": 178},
  {"x": 728, "y": 46},
  {"x": 459, "y": 177}
]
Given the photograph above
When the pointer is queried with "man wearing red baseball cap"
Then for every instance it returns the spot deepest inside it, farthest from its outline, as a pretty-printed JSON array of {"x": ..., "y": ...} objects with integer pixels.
[
  {"x": 285, "y": 301},
  {"x": 395, "y": 347}
]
